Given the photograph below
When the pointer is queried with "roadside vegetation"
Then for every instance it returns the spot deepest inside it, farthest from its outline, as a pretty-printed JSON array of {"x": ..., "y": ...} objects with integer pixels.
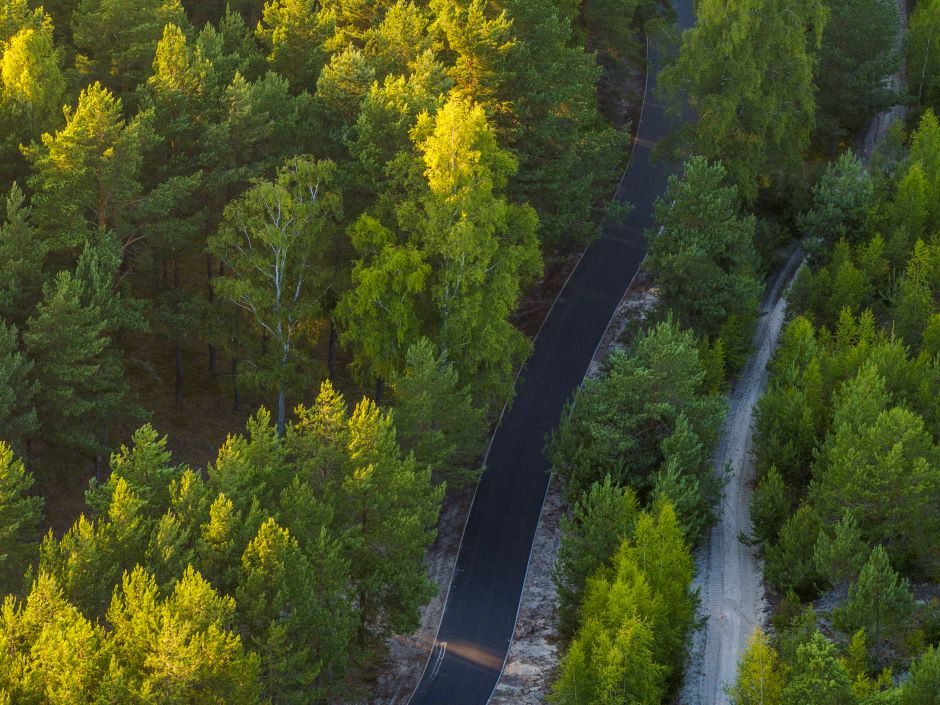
[
  {"x": 276, "y": 206},
  {"x": 847, "y": 456}
]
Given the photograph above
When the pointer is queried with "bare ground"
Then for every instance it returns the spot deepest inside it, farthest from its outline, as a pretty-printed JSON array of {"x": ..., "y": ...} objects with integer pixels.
[
  {"x": 408, "y": 653},
  {"x": 729, "y": 574}
]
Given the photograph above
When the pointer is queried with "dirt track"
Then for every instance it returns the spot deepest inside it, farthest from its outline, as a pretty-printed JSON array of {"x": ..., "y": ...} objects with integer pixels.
[{"x": 728, "y": 572}]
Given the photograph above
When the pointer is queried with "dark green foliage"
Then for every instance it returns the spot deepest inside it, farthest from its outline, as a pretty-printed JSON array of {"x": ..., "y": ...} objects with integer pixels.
[
  {"x": 602, "y": 519},
  {"x": 435, "y": 418},
  {"x": 20, "y": 515},
  {"x": 703, "y": 256},
  {"x": 619, "y": 421},
  {"x": 770, "y": 506},
  {"x": 789, "y": 563},
  {"x": 858, "y": 54},
  {"x": 879, "y": 601},
  {"x": 843, "y": 200}
]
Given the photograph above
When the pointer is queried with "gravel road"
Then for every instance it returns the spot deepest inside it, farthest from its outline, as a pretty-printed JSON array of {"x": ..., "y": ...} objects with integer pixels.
[{"x": 728, "y": 572}]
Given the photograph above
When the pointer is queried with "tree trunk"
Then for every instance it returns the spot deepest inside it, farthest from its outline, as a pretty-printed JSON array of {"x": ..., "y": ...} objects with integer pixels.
[
  {"x": 179, "y": 371},
  {"x": 236, "y": 393},
  {"x": 211, "y": 296},
  {"x": 281, "y": 411},
  {"x": 379, "y": 390},
  {"x": 331, "y": 353}
]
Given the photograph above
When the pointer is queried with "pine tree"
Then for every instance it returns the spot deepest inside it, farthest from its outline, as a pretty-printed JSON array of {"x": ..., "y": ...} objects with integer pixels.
[
  {"x": 66, "y": 341},
  {"x": 297, "y": 612},
  {"x": 770, "y": 506},
  {"x": 116, "y": 39},
  {"x": 924, "y": 684},
  {"x": 880, "y": 601},
  {"x": 602, "y": 520},
  {"x": 86, "y": 173},
  {"x": 760, "y": 678},
  {"x": 22, "y": 253},
  {"x": 20, "y": 515},
  {"x": 818, "y": 677},
  {"x": 436, "y": 418},
  {"x": 18, "y": 421},
  {"x": 839, "y": 556},
  {"x": 924, "y": 63},
  {"x": 843, "y": 200},
  {"x": 295, "y": 33},
  {"x": 703, "y": 258}
]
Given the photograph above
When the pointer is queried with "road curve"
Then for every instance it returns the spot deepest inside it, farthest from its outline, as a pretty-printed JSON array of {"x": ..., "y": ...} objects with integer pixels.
[{"x": 483, "y": 598}]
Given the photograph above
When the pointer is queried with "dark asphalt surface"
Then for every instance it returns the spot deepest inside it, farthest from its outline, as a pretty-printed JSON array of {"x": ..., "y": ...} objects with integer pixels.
[{"x": 481, "y": 607}]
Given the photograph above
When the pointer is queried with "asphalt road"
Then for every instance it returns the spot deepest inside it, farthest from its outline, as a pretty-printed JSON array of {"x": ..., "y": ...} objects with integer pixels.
[{"x": 483, "y": 600}]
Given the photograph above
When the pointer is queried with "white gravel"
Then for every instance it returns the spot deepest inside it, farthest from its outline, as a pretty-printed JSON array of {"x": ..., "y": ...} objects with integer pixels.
[{"x": 728, "y": 572}]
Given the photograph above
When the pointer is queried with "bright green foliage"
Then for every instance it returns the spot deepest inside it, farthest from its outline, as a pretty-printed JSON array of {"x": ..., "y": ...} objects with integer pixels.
[
  {"x": 818, "y": 676},
  {"x": 436, "y": 418},
  {"x": 395, "y": 44},
  {"x": 760, "y": 678},
  {"x": 22, "y": 252},
  {"x": 386, "y": 507},
  {"x": 32, "y": 87},
  {"x": 924, "y": 684},
  {"x": 252, "y": 467},
  {"x": 843, "y": 200},
  {"x": 610, "y": 661},
  {"x": 116, "y": 39},
  {"x": 20, "y": 515},
  {"x": 609, "y": 429},
  {"x": 634, "y": 620},
  {"x": 480, "y": 38},
  {"x": 181, "y": 650},
  {"x": 220, "y": 542},
  {"x": 925, "y": 151},
  {"x": 86, "y": 173},
  {"x": 918, "y": 291},
  {"x": 703, "y": 258},
  {"x": 481, "y": 248},
  {"x": 59, "y": 656},
  {"x": 18, "y": 420},
  {"x": 272, "y": 242},
  {"x": 770, "y": 506},
  {"x": 297, "y": 612},
  {"x": 882, "y": 466},
  {"x": 879, "y": 601},
  {"x": 922, "y": 60},
  {"x": 838, "y": 554},
  {"x": 294, "y": 33},
  {"x": 147, "y": 468},
  {"x": 911, "y": 203},
  {"x": 789, "y": 563},
  {"x": 748, "y": 75},
  {"x": 602, "y": 520},
  {"x": 381, "y": 310},
  {"x": 858, "y": 53}
]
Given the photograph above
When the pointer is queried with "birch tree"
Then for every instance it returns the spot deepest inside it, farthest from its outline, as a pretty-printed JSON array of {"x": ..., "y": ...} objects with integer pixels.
[{"x": 272, "y": 241}]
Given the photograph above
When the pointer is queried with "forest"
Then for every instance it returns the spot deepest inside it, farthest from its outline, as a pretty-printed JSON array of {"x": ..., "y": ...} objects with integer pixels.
[{"x": 268, "y": 272}]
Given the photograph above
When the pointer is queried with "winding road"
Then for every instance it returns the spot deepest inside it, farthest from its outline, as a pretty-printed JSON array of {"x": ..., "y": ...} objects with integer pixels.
[{"x": 482, "y": 602}]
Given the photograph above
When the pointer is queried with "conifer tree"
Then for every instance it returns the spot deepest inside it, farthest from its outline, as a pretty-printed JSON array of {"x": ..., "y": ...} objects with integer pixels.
[
  {"x": 436, "y": 418},
  {"x": 760, "y": 678},
  {"x": 20, "y": 515},
  {"x": 602, "y": 520},
  {"x": 22, "y": 253},
  {"x": 295, "y": 33},
  {"x": 86, "y": 173},
  {"x": 116, "y": 39},
  {"x": 880, "y": 601},
  {"x": 18, "y": 421},
  {"x": 818, "y": 676}
]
